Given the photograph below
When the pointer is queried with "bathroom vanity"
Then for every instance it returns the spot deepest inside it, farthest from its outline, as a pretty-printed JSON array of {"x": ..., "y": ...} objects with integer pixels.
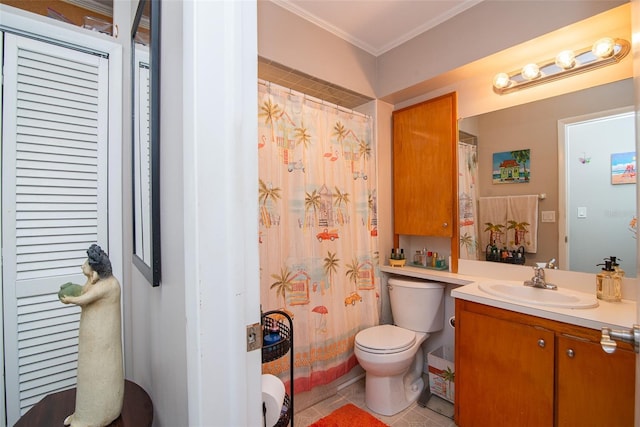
[
  {"x": 518, "y": 369},
  {"x": 529, "y": 364}
]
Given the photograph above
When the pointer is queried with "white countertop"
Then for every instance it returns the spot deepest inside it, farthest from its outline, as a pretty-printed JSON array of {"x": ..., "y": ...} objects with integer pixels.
[
  {"x": 618, "y": 315},
  {"x": 427, "y": 274}
]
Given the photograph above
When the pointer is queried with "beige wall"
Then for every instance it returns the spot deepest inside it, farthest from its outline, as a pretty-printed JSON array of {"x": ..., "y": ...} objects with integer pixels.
[
  {"x": 154, "y": 318},
  {"x": 289, "y": 40},
  {"x": 534, "y": 126},
  {"x": 489, "y": 27}
]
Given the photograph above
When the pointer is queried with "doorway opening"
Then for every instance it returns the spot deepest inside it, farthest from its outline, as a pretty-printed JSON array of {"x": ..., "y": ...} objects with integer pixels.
[{"x": 597, "y": 208}]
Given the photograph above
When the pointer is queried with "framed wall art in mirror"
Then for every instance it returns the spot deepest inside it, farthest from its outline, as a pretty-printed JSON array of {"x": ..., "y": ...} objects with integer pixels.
[{"x": 145, "y": 102}]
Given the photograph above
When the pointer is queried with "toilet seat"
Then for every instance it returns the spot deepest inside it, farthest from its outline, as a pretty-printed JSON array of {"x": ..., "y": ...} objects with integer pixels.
[{"x": 385, "y": 339}]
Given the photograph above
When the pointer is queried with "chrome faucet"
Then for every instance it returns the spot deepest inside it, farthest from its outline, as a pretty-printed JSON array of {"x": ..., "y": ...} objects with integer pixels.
[{"x": 538, "y": 280}]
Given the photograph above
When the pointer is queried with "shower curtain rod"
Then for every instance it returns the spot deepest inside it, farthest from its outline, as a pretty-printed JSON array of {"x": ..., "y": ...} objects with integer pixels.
[{"x": 269, "y": 84}]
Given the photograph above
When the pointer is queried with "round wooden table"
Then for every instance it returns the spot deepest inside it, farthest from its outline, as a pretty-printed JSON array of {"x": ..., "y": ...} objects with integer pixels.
[{"x": 137, "y": 409}]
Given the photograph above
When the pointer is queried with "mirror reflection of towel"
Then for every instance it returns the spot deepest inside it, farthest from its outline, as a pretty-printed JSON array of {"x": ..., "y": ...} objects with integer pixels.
[
  {"x": 522, "y": 220},
  {"x": 513, "y": 219},
  {"x": 493, "y": 217}
]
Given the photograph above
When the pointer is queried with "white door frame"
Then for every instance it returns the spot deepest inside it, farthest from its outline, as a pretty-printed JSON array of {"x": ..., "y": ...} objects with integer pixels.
[
  {"x": 563, "y": 184},
  {"x": 220, "y": 167}
]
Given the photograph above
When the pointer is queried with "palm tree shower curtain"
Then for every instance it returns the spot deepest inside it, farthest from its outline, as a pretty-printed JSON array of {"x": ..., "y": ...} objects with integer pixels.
[
  {"x": 468, "y": 200},
  {"x": 318, "y": 230}
]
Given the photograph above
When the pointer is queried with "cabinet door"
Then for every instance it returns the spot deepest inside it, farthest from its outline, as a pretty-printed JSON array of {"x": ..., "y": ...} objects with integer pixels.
[
  {"x": 424, "y": 173},
  {"x": 504, "y": 375},
  {"x": 594, "y": 388}
]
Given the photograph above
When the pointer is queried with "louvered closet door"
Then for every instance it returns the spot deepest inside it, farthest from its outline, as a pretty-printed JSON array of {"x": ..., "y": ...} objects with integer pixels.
[{"x": 53, "y": 207}]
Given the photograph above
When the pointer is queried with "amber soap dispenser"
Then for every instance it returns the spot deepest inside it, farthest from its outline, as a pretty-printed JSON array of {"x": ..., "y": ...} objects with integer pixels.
[{"x": 609, "y": 282}]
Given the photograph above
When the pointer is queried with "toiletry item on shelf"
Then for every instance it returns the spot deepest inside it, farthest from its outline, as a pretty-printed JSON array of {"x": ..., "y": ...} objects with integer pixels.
[
  {"x": 397, "y": 253},
  {"x": 397, "y": 258},
  {"x": 418, "y": 258},
  {"x": 609, "y": 282}
]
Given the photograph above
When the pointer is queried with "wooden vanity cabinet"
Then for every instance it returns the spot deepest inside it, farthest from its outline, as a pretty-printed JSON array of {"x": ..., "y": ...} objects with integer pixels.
[
  {"x": 425, "y": 170},
  {"x": 516, "y": 369},
  {"x": 503, "y": 373},
  {"x": 594, "y": 388}
]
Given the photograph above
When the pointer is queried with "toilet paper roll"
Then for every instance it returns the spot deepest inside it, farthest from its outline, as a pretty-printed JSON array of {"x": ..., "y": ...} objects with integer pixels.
[{"x": 272, "y": 398}]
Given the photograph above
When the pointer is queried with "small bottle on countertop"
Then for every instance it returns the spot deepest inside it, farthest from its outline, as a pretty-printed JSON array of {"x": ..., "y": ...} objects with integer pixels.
[
  {"x": 609, "y": 283},
  {"x": 616, "y": 266}
]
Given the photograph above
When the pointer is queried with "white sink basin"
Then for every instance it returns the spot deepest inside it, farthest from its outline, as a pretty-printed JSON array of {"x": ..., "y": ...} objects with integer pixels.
[{"x": 564, "y": 298}]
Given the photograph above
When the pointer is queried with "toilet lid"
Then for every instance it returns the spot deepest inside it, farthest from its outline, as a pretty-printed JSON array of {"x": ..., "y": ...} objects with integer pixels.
[{"x": 385, "y": 339}]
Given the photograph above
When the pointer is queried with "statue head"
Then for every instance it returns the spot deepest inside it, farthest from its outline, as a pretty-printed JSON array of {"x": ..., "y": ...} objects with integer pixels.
[{"x": 99, "y": 261}]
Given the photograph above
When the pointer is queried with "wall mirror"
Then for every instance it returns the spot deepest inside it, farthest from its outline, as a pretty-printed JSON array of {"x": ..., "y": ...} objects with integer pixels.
[
  {"x": 534, "y": 126},
  {"x": 145, "y": 102}
]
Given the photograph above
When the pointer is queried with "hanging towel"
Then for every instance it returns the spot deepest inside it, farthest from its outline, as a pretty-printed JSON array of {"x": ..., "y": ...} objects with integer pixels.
[
  {"x": 493, "y": 221},
  {"x": 522, "y": 222}
]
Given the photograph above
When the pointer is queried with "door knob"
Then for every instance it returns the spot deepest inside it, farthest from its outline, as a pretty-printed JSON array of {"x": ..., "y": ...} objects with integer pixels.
[{"x": 631, "y": 336}]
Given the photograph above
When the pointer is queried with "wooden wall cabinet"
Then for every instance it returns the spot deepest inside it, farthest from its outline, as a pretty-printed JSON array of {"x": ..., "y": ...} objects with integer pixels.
[
  {"x": 515, "y": 369},
  {"x": 425, "y": 170}
]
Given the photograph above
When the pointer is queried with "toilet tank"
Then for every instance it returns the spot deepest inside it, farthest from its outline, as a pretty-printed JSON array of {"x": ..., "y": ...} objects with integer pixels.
[{"x": 416, "y": 304}]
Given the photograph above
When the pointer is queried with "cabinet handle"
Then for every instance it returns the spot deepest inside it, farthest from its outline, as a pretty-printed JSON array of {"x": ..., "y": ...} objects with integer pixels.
[
  {"x": 541, "y": 343},
  {"x": 570, "y": 353},
  {"x": 445, "y": 224}
]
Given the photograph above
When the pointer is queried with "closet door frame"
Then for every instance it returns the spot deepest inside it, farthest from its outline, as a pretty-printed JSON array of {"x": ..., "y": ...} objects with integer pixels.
[{"x": 45, "y": 29}]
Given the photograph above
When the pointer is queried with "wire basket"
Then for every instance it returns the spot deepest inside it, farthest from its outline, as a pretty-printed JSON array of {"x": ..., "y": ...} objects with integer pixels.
[
  {"x": 285, "y": 416},
  {"x": 276, "y": 350}
]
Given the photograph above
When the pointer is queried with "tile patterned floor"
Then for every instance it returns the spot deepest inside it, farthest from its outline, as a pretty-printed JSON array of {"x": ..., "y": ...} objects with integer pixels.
[{"x": 413, "y": 416}]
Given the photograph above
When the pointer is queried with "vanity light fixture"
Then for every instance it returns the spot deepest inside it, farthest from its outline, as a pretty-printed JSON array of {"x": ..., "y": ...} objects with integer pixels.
[
  {"x": 603, "y": 52},
  {"x": 530, "y": 71}
]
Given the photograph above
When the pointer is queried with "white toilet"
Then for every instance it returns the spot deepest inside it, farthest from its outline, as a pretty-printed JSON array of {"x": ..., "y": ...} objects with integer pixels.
[{"x": 392, "y": 356}]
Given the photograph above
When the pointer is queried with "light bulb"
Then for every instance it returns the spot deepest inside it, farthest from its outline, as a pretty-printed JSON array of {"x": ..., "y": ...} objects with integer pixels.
[
  {"x": 530, "y": 71},
  {"x": 603, "y": 48},
  {"x": 566, "y": 59},
  {"x": 501, "y": 80}
]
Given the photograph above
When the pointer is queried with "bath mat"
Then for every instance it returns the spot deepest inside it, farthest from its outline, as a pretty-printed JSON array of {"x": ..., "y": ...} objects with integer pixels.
[{"x": 349, "y": 415}]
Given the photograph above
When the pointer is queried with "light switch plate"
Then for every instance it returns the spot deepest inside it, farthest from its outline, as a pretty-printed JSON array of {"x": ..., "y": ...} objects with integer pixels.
[
  {"x": 548, "y": 216},
  {"x": 582, "y": 212}
]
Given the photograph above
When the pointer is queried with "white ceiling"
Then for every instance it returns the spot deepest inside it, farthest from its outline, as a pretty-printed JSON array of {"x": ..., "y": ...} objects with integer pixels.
[{"x": 376, "y": 26}]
